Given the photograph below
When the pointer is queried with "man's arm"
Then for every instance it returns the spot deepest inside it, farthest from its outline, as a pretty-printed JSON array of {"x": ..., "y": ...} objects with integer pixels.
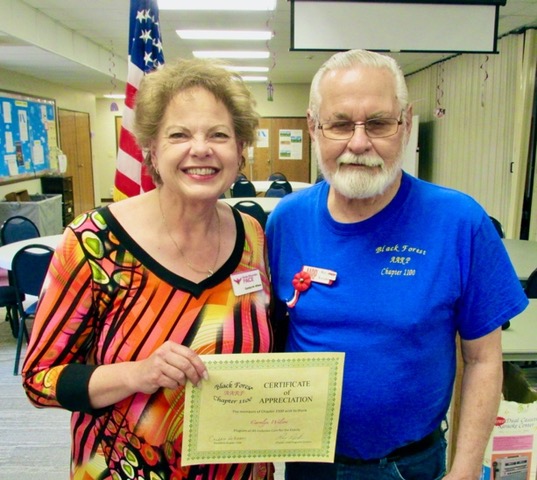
[{"x": 480, "y": 399}]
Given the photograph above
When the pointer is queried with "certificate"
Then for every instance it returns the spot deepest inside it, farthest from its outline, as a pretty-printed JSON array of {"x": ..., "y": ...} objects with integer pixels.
[{"x": 264, "y": 407}]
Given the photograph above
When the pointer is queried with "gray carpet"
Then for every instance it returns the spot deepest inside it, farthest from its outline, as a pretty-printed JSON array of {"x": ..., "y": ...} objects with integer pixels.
[{"x": 34, "y": 443}]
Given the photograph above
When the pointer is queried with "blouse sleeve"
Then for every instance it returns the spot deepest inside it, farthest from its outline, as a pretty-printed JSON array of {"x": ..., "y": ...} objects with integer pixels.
[{"x": 56, "y": 369}]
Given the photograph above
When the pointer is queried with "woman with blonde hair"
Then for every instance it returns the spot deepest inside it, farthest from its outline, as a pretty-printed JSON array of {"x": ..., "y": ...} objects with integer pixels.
[{"x": 140, "y": 289}]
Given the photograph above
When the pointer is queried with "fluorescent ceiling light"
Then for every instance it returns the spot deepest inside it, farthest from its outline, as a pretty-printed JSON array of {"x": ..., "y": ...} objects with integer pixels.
[
  {"x": 120, "y": 96},
  {"x": 217, "y": 5},
  {"x": 230, "y": 54},
  {"x": 224, "y": 35},
  {"x": 254, "y": 78},
  {"x": 233, "y": 68}
]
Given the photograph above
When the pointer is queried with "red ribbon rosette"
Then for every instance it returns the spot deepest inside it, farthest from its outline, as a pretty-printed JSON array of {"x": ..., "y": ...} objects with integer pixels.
[{"x": 301, "y": 282}]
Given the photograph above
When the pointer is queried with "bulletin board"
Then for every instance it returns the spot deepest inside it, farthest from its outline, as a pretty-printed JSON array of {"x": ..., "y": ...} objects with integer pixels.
[{"x": 28, "y": 136}]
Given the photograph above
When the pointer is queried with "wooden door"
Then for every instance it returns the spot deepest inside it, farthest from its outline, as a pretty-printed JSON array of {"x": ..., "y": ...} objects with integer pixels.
[
  {"x": 75, "y": 141},
  {"x": 283, "y": 146},
  {"x": 260, "y": 168}
]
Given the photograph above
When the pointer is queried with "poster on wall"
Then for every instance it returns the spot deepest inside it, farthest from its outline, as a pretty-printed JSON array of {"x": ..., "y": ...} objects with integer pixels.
[
  {"x": 262, "y": 138},
  {"x": 290, "y": 144},
  {"x": 27, "y": 135}
]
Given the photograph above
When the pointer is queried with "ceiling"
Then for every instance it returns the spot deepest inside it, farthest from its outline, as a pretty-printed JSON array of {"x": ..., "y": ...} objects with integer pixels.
[{"x": 106, "y": 23}]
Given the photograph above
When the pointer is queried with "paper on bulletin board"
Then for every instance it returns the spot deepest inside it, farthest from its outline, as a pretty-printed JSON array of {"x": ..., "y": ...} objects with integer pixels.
[
  {"x": 62, "y": 163},
  {"x": 512, "y": 449},
  {"x": 9, "y": 143},
  {"x": 262, "y": 138},
  {"x": 38, "y": 153},
  {"x": 23, "y": 125},
  {"x": 290, "y": 144},
  {"x": 11, "y": 161},
  {"x": 6, "y": 112}
]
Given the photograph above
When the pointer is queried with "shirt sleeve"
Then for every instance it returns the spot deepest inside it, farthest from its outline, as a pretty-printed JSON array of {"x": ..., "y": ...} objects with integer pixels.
[
  {"x": 492, "y": 292},
  {"x": 62, "y": 332}
]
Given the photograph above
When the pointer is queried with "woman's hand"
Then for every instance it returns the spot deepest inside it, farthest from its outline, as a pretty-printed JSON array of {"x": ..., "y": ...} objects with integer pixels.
[{"x": 170, "y": 366}]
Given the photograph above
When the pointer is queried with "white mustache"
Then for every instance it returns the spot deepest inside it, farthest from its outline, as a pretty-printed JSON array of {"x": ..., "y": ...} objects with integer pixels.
[{"x": 365, "y": 160}]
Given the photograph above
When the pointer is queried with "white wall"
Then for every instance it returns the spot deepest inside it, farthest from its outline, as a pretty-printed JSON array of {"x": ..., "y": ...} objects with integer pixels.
[
  {"x": 289, "y": 100},
  {"x": 105, "y": 145}
]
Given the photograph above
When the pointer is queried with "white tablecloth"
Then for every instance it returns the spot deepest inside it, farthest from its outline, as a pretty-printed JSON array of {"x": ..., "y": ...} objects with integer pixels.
[
  {"x": 7, "y": 252},
  {"x": 523, "y": 255},
  {"x": 263, "y": 185},
  {"x": 44, "y": 210}
]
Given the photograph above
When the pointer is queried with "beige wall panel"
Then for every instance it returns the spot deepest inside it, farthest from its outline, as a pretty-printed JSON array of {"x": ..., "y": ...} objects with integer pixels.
[{"x": 470, "y": 148}]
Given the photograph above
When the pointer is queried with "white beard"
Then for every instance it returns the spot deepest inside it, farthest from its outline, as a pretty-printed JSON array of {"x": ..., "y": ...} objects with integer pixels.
[{"x": 360, "y": 183}]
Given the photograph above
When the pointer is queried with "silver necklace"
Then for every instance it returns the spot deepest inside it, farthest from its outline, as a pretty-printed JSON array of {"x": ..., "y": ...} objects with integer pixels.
[{"x": 209, "y": 272}]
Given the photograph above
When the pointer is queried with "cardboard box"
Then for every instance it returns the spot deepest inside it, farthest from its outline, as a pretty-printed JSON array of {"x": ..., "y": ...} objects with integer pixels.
[{"x": 21, "y": 196}]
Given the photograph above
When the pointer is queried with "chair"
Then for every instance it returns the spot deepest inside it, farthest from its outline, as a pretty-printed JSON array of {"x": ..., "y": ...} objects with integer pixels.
[
  {"x": 243, "y": 188},
  {"x": 29, "y": 268},
  {"x": 12, "y": 230},
  {"x": 276, "y": 176},
  {"x": 531, "y": 285},
  {"x": 530, "y": 288},
  {"x": 275, "y": 192},
  {"x": 498, "y": 226},
  {"x": 253, "y": 209},
  {"x": 279, "y": 188},
  {"x": 241, "y": 176},
  {"x": 8, "y": 300},
  {"x": 18, "y": 228}
]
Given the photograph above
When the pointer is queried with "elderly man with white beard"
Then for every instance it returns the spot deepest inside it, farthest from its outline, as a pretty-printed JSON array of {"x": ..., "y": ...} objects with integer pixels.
[{"x": 390, "y": 269}]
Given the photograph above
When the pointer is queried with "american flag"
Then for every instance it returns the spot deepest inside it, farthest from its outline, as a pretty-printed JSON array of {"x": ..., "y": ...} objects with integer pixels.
[{"x": 145, "y": 55}]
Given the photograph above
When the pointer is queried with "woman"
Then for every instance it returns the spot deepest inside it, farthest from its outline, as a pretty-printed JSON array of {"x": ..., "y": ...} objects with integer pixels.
[{"x": 139, "y": 289}]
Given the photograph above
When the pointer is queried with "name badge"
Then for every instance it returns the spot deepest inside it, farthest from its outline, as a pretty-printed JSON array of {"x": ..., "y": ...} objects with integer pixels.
[
  {"x": 246, "y": 282},
  {"x": 321, "y": 275}
]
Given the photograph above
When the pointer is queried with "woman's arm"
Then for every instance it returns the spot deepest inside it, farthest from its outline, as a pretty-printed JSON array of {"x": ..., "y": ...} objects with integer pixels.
[
  {"x": 170, "y": 366},
  {"x": 62, "y": 328}
]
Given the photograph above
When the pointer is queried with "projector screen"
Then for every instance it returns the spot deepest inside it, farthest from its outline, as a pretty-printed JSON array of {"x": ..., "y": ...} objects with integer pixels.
[{"x": 394, "y": 27}]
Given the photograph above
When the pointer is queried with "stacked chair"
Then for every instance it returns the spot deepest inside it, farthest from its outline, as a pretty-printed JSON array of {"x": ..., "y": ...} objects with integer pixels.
[
  {"x": 277, "y": 176},
  {"x": 531, "y": 285},
  {"x": 29, "y": 268},
  {"x": 279, "y": 188},
  {"x": 254, "y": 209},
  {"x": 243, "y": 188},
  {"x": 498, "y": 226},
  {"x": 14, "y": 229}
]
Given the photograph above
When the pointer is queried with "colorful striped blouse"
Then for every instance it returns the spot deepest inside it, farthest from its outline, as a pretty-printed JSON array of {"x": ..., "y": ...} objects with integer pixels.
[{"x": 105, "y": 300}]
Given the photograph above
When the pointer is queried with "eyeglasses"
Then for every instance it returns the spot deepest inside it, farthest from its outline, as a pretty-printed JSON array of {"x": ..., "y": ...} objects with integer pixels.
[{"x": 374, "y": 128}]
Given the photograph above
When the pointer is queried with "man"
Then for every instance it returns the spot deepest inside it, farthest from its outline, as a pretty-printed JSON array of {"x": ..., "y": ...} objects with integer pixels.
[{"x": 398, "y": 268}]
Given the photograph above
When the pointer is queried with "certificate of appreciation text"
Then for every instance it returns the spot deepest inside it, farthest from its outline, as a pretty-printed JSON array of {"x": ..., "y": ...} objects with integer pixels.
[{"x": 264, "y": 407}]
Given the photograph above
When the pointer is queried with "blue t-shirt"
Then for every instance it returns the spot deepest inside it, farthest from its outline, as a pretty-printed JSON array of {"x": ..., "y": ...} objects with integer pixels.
[{"x": 409, "y": 278}]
